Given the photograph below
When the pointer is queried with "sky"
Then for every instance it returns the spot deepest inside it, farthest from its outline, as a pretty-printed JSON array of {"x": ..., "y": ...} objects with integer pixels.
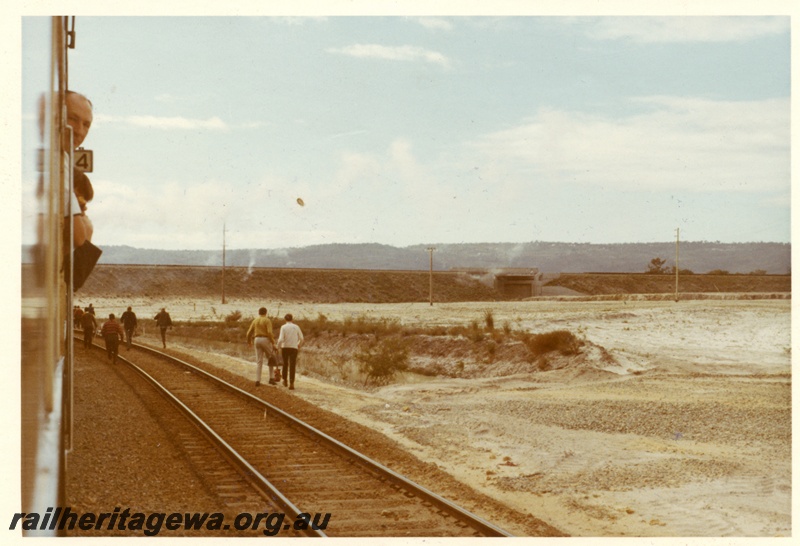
[{"x": 407, "y": 130}]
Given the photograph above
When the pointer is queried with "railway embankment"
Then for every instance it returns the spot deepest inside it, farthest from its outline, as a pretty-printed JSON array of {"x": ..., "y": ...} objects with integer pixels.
[{"x": 391, "y": 286}]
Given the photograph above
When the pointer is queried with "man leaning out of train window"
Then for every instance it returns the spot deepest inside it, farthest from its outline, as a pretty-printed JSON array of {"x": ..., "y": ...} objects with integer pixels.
[{"x": 79, "y": 117}]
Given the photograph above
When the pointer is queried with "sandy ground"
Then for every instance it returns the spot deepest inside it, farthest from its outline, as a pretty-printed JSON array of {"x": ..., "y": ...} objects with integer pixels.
[{"x": 686, "y": 431}]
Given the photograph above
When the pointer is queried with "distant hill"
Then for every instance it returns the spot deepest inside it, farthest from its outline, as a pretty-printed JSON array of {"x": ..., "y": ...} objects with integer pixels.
[{"x": 548, "y": 257}]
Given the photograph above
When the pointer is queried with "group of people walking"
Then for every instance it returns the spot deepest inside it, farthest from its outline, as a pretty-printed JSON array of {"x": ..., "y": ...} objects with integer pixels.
[
  {"x": 114, "y": 330},
  {"x": 260, "y": 335},
  {"x": 290, "y": 339}
]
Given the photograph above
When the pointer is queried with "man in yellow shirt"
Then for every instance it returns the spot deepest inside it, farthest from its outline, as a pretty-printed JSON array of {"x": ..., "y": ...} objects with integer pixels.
[{"x": 260, "y": 333}]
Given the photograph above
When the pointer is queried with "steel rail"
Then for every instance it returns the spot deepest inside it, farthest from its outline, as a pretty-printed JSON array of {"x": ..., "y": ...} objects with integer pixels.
[
  {"x": 453, "y": 509},
  {"x": 262, "y": 484}
]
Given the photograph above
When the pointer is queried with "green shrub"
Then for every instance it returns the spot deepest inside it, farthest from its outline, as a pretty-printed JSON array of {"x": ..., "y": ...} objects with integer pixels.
[{"x": 380, "y": 360}]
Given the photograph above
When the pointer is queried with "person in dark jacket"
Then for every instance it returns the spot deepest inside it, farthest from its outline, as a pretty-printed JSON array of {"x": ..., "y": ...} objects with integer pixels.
[
  {"x": 77, "y": 315},
  {"x": 128, "y": 320},
  {"x": 163, "y": 321},
  {"x": 89, "y": 324}
]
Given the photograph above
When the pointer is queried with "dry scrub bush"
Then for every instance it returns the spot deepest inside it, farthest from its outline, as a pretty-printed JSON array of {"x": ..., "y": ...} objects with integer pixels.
[
  {"x": 488, "y": 317},
  {"x": 335, "y": 368},
  {"x": 491, "y": 350},
  {"x": 380, "y": 360},
  {"x": 311, "y": 327},
  {"x": 364, "y": 325},
  {"x": 473, "y": 331},
  {"x": 235, "y": 316},
  {"x": 562, "y": 341}
]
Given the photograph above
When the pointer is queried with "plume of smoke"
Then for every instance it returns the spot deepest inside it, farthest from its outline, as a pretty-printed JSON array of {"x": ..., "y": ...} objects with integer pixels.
[{"x": 488, "y": 277}]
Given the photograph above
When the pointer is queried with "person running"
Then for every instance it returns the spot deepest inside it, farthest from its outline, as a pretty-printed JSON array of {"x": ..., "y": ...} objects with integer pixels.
[
  {"x": 290, "y": 340},
  {"x": 163, "y": 321},
  {"x": 113, "y": 333},
  {"x": 260, "y": 333}
]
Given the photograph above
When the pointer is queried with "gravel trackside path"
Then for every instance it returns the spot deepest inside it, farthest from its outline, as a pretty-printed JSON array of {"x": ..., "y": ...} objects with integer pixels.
[
  {"x": 133, "y": 450},
  {"x": 129, "y": 454}
]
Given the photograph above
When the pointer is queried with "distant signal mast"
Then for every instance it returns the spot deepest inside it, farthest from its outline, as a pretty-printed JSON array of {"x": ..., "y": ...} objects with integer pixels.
[
  {"x": 677, "y": 266},
  {"x": 430, "y": 286}
]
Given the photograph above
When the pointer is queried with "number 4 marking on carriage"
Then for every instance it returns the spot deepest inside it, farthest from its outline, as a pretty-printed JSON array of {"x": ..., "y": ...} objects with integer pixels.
[{"x": 84, "y": 160}]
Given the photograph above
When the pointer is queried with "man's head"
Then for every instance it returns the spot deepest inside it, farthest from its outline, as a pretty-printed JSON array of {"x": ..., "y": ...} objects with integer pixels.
[
  {"x": 111, "y": 316},
  {"x": 262, "y": 311},
  {"x": 130, "y": 309},
  {"x": 288, "y": 317},
  {"x": 79, "y": 116}
]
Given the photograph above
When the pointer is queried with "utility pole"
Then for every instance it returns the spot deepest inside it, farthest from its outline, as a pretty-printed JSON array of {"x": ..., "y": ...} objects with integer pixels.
[
  {"x": 430, "y": 250},
  {"x": 223, "y": 263},
  {"x": 677, "y": 267}
]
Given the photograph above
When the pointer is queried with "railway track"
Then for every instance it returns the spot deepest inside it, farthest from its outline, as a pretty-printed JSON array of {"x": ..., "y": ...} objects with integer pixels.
[{"x": 310, "y": 476}]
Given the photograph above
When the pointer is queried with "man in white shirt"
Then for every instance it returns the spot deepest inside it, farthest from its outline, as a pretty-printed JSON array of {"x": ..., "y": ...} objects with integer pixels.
[{"x": 289, "y": 341}]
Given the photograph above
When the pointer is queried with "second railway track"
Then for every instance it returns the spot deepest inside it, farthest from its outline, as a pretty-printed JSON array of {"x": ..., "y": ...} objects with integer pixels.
[{"x": 304, "y": 469}]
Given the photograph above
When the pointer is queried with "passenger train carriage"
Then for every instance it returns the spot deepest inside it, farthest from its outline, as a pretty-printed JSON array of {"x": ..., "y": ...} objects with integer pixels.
[{"x": 46, "y": 296}]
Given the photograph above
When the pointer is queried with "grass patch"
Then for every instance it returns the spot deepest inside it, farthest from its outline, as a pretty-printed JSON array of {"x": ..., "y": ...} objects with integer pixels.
[{"x": 488, "y": 318}]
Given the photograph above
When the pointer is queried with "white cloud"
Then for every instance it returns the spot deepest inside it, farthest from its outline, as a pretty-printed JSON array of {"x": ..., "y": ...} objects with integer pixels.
[
  {"x": 395, "y": 196},
  {"x": 298, "y": 20},
  {"x": 191, "y": 216},
  {"x": 397, "y": 53},
  {"x": 165, "y": 122},
  {"x": 397, "y": 168},
  {"x": 346, "y": 134},
  {"x": 354, "y": 169},
  {"x": 167, "y": 97},
  {"x": 689, "y": 144},
  {"x": 435, "y": 23},
  {"x": 507, "y": 185},
  {"x": 197, "y": 97},
  {"x": 686, "y": 29},
  {"x": 779, "y": 201}
]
